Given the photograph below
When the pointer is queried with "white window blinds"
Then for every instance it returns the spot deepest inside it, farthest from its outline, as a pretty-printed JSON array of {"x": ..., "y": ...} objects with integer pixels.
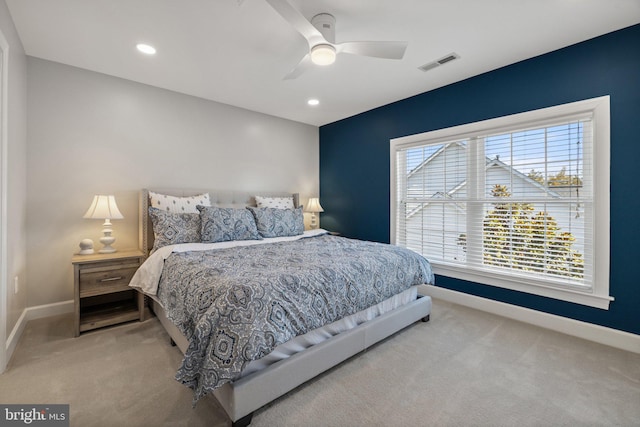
[{"x": 507, "y": 198}]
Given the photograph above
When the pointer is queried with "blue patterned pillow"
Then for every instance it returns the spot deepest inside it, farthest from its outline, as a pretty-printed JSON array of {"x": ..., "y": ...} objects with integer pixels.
[
  {"x": 226, "y": 224},
  {"x": 172, "y": 228},
  {"x": 274, "y": 222}
]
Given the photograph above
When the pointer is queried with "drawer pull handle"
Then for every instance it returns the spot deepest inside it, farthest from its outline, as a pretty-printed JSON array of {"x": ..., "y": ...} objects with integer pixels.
[{"x": 111, "y": 279}]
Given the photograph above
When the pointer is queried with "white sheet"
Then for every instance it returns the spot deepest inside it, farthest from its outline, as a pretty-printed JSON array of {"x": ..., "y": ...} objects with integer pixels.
[{"x": 148, "y": 275}]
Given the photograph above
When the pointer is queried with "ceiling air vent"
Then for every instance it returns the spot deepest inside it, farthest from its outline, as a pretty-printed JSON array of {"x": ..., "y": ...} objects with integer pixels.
[{"x": 439, "y": 62}]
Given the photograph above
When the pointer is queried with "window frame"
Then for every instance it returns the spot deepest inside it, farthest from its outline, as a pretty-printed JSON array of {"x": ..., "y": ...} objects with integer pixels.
[{"x": 599, "y": 108}]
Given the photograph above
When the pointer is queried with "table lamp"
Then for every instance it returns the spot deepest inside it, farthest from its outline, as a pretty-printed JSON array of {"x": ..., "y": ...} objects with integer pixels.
[
  {"x": 313, "y": 206},
  {"x": 104, "y": 207}
]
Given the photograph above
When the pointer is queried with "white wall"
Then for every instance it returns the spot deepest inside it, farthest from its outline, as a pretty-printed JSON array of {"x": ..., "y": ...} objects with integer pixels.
[
  {"x": 89, "y": 133},
  {"x": 14, "y": 175}
]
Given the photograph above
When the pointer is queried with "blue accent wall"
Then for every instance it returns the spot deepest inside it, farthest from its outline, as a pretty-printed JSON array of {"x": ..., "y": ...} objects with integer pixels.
[{"x": 354, "y": 156}]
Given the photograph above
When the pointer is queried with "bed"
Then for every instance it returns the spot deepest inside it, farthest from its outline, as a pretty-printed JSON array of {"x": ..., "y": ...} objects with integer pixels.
[{"x": 290, "y": 346}]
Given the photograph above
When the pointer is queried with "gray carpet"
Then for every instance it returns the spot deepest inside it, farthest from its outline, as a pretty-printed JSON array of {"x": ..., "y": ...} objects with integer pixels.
[{"x": 463, "y": 368}]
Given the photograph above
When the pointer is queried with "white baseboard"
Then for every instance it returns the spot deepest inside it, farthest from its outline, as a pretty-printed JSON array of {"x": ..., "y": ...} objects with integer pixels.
[
  {"x": 31, "y": 313},
  {"x": 47, "y": 310},
  {"x": 16, "y": 333},
  {"x": 600, "y": 334}
]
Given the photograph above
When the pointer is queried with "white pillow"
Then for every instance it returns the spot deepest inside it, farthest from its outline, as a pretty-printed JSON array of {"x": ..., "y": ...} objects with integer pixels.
[
  {"x": 178, "y": 204},
  {"x": 275, "y": 202}
]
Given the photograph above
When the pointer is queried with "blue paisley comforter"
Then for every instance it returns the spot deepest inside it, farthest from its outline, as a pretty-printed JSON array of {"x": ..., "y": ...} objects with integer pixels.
[{"x": 236, "y": 305}]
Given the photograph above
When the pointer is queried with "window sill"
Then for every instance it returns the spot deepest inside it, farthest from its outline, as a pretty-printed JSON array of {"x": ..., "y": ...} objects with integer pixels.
[{"x": 590, "y": 299}]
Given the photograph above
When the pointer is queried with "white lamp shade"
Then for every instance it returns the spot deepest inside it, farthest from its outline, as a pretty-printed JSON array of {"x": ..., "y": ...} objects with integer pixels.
[
  {"x": 313, "y": 205},
  {"x": 103, "y": 207}
]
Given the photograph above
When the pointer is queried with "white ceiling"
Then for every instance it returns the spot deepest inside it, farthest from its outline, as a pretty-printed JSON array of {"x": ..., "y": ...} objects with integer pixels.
[{"x": 236, "y": 52}]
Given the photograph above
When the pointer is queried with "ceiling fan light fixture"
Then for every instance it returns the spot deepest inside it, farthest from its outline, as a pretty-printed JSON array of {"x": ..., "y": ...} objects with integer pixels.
[{"x": 323, "y": 54}]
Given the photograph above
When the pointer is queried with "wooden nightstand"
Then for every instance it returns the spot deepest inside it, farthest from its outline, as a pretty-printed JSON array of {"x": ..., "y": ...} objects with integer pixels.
[{"x": 101, "y": 289}]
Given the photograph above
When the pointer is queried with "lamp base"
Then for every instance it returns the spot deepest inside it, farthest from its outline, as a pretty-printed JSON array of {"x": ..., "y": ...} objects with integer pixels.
[{"x": 107, "y": 240}]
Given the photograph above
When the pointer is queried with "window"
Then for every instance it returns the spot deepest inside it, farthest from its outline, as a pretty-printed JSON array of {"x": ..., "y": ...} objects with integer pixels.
[{"x": 520, "y": 202}]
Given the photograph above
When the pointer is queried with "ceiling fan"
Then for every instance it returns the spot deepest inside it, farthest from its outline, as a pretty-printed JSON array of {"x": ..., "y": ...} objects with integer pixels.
[{"x": 320, "y": 34}]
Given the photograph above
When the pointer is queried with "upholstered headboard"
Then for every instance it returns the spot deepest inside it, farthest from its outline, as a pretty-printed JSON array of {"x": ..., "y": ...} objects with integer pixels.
[{"x": 223, "y": 199}]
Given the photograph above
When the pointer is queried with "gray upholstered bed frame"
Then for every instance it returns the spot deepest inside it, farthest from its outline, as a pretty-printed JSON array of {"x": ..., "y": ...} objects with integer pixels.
[{"x": 242, "y": 397}]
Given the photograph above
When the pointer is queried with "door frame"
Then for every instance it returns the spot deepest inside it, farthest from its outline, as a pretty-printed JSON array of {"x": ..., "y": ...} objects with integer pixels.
[{"x": 4, "y": 96}]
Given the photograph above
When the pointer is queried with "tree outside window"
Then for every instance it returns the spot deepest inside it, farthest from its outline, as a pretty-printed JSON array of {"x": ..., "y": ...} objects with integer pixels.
[{"x": 517, "y": 237}]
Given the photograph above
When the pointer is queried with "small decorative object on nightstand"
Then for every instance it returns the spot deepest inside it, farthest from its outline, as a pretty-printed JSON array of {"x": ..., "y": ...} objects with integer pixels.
[
  {"x": 102, "y": 293},
  {"x": 104, "y": 207},
  {"x": 313, "y": 206},
  {"x": 86, "y": 247}
]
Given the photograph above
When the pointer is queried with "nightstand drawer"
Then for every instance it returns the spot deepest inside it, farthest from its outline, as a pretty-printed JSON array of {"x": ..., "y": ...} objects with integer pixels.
[{"x": 103, "y": 281}]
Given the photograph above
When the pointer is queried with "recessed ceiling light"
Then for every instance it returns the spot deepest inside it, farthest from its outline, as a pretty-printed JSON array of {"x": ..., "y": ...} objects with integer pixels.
[
  {"x": 313, "y": 102},
  {"x": 145, "y": 48}
]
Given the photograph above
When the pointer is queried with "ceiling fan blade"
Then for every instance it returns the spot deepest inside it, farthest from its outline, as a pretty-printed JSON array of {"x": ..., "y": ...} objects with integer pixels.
[
  {"x": 304, "y": 64},
  {"x": 297, "y": 20},
  {"x": 387, "y": 50}
]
